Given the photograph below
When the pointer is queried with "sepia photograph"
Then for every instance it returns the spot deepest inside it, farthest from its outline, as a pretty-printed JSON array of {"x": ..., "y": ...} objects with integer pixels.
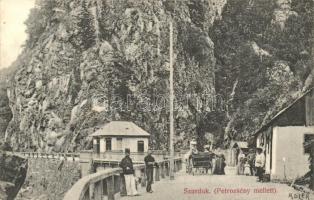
[{"x": 156, "y": 99}]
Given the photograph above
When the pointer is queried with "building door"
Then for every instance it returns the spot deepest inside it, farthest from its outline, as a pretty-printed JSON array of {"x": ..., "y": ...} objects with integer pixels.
[
  {"x": 140, "y": 146},
  {"x": 119, "y": 144},
  {"x": 108, "y": 144}
]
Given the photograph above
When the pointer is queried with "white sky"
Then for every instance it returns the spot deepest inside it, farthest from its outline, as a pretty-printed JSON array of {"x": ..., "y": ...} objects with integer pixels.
[{"x": 13, "y": 14}]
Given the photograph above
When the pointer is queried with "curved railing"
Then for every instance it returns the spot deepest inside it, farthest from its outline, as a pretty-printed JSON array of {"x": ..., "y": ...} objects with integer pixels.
[{"x": 110, "y": 182}]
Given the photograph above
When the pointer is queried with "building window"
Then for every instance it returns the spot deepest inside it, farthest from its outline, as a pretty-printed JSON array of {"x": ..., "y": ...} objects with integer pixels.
[
  {"x": 97, "y": 145},
  {"x": 108, "y": 144},
  {"x": 140, "y": 146}
]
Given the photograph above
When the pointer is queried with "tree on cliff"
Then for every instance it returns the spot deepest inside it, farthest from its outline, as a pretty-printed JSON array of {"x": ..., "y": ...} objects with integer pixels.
[
  {"x": 39, "y": 20},
  {"x": 81, "y": 24},
  {"x": 261, "y": 58},
  {"x": 86, "y": 27}
]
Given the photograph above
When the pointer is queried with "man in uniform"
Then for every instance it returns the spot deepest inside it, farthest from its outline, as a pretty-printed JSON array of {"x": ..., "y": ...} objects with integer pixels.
[
  {"x": 127, "y": 166},
  {"x": 149, "y": 162}
]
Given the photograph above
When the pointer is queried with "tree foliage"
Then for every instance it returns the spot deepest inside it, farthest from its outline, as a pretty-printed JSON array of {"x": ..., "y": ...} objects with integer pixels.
[{"x": 260, "y": 61}]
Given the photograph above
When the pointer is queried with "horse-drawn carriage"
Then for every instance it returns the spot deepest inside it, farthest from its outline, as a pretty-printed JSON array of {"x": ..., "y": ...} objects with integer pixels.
[{"x": 199, "y": 162}]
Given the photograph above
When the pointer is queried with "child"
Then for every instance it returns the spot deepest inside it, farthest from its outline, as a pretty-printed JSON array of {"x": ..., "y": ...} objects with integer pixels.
[{"x": 247, "y": 168}]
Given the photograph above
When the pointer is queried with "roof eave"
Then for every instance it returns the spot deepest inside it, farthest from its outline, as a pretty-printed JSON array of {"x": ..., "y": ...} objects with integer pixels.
[
  {"x": 120, "y": 135},
  {"x": 267, "y": 125}
]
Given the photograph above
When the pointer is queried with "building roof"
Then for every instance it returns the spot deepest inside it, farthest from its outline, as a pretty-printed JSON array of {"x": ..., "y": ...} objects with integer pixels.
[
  {"x": 120, "y": 128},
  {"x": 240, "y": 144},
  {"x": 269, "y": 123}
]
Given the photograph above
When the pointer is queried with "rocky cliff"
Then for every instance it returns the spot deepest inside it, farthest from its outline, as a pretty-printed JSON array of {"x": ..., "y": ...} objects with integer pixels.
[
  {"x": 92, "y": 61},
  {"x": 5, "y": 111},
  {"x": 264, "y": 53}
]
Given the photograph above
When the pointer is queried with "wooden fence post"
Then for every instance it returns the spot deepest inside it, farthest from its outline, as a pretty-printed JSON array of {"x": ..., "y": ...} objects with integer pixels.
[
  {"x": 143, "y": 177},
  {"x": 110, "y": 187},
  {"x": 180, "y": 165},
  {"x": 162, "y": 170},
  {"x": 157, "y": 174},
  {"x": 167, "y": 168},
  {"x": 122, "y": 186},
  {"x": 86, "y": 195},
  {"x": 91, "y": 191},
  {"x": 175, "y": 166},
  {"x": 117, "y": 185},
  {"x": 98, "y": 190}
]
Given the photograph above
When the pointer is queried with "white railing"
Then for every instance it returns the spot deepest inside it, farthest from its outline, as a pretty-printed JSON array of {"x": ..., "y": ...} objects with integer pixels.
[{"x": 110, "y": 182}]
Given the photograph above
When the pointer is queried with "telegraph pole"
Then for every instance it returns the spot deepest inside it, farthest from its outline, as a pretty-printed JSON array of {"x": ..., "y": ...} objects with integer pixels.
[{"x": 171, "y": 103}]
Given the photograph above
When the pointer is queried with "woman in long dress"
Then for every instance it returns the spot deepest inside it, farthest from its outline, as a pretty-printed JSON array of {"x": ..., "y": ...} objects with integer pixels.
[
  {"x": 241, "y": 161},
  {"x": 219, "y": 165}
]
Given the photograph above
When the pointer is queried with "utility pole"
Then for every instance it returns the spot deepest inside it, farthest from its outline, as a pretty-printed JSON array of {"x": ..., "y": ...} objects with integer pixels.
[{"x": 171, "y": 103}]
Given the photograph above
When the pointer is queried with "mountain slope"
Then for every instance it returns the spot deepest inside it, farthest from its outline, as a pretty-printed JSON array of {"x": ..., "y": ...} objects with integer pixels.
[
  {"x": 95, "y": 61},
  {"x": 87, "y": 62}
]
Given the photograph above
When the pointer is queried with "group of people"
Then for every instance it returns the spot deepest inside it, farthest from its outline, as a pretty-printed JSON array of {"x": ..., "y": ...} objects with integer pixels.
[
  {"x": 217, "y": 161},
  {"x": 127, "y": 166},
  {"x": 251, "y": 164}
]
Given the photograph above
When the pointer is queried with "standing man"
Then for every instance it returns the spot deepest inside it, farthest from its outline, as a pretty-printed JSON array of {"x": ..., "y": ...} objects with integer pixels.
[
  {"x": 149, "y": 162},
  {"x": 127, "y": 166},
  {"x": 259, "y": 164},
  {"x": 251, "y": 160}
]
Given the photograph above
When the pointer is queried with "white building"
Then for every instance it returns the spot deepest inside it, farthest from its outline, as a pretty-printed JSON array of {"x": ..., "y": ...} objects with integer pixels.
[
  {"x": 283, "y": 138},
  {"x": 118, "y": 135}
]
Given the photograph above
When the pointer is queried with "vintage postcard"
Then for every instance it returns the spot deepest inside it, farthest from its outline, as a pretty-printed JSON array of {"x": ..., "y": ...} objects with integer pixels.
[{"x": 156, "y": 99}]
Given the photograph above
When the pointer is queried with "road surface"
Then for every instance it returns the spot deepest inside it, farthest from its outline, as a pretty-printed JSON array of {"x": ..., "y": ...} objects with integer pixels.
[{"x": 219, "y": 187}]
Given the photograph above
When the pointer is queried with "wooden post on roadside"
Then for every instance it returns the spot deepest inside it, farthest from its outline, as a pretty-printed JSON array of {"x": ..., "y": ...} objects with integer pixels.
[
  {"x": 157, "y": 174},
  {"x": 110, "y": 187},
  {"x": 162, "y": 165},
  {"x": 167, "y": 168},
  {"x": 143, "y": 177},
  {"x": 91, "y": 191},
  {"x": 122, "y": 185},
  {"x": 171, "y": 99},
  {"x": 98, "y": 190}
]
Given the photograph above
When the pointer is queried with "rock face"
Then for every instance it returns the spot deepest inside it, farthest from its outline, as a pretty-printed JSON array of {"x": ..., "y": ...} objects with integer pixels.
[
  {"x": 93, "y": 61},
  {"x": 5, "y": 111},
  {"x": 87, "y": 62},
  {"x": 13, "y": 171},
  {"x": 263, "y": 59}
]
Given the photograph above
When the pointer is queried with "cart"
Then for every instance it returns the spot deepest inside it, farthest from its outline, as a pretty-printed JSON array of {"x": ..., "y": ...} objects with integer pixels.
[{"x": 200, "y": 162}]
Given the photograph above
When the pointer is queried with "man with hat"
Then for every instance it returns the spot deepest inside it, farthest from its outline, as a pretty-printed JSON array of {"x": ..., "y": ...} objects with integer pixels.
[
  {"x": 251, "y": 161},
  {"x": 127, "y": 166},
  {"x": 259, "y": 163},
  {"x": 149, "y": 162}
]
